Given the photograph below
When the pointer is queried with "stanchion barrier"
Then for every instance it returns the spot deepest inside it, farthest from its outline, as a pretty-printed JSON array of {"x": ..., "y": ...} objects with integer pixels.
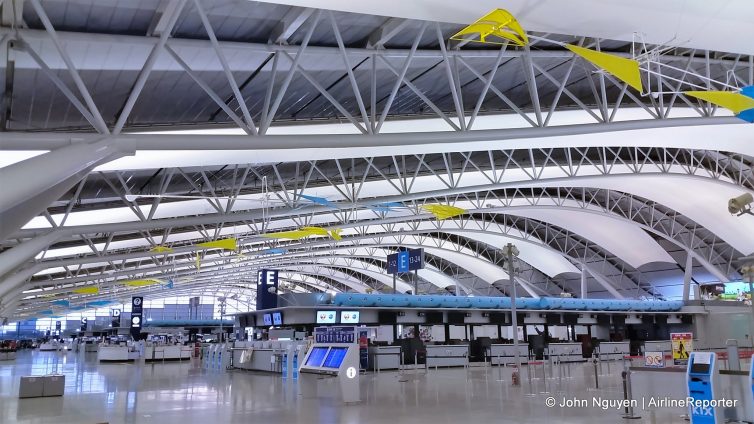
[
  {"x": 499, "y": 369},
  {"x": 627, "y": 395},
  {"x": 560, "y": 373},
  {"x": 596, "y": 375},
  {"x": 528, "y": 374},
  {"x": 544, "y": 379}
]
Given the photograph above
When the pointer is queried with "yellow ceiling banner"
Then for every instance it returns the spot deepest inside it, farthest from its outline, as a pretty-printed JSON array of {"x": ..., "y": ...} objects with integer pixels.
[
  {"x": 496, "y": 27},
  {"x": 161, "y": 249},
  {"x": 226, "y": 244},
  {"x": 305, "y": 232},
  {"x": 736, "y": 102},
  {"x": 626, "y": 70},
  {"x": 142, "y": 283},
  {"x": 443, "y": 211},
  {"x": 87, "y": 290}
]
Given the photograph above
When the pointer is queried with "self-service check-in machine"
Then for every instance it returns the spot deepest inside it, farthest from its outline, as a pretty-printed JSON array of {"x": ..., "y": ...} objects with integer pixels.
[
  {"x": 702, "y": 382},
  {"x": 334, "y": 355}
]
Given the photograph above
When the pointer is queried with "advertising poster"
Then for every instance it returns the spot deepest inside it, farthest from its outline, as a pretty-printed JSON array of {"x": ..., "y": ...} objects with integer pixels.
[{"x": 682, "y": 344}]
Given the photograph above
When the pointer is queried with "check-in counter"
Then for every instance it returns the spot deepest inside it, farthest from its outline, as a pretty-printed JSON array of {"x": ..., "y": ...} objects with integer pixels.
[
  {"x": 116, "y": 353},
  {"x": 91, "y": 347},
  {"x": 385, "y": 357},
  {"x": 613, "y": 351},
  {"x": 566, "y": 352},
  {"x": 501, "y": 354},
  {"x": 657, "y": 346},
  {"x": 447, "y": 355},
  {"x": 167, "y": 353},
  {"x": 46, "y": 347}
]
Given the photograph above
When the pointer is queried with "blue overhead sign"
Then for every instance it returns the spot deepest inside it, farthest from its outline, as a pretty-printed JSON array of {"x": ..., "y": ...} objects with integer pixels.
[{"x": 405, "y": 261}]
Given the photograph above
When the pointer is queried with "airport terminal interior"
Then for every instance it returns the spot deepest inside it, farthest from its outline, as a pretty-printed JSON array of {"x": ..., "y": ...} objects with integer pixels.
[{"x": 289, "y": 211}]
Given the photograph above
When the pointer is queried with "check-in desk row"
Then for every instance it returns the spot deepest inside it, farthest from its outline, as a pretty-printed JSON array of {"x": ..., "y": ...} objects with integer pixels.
[
  {"x": 501, "y": 354},
  {"x": 613, "y": 351},
  {"x": 167, "y": 353},
  {"x": 385, "y": 357},
  {"x": 566, "y": 352},
  {"x": 116, "y": 353},
  {"x": 447, "y": 356}
]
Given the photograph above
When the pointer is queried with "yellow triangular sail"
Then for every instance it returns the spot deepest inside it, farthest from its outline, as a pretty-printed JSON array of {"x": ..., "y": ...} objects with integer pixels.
[
  {"x": 161, "y": 249},
  {"x": 305, "y": 232},
  {"x": 443, "y": 211},
  {"x": 87, "y": 290},
  {"x": 142, "y": 283},
  {"x": 226, "y": 244},
  {"x": 736, "y": 102},
  {"x": 627, "y": 70},
  {"x": 499, "y": 24}
]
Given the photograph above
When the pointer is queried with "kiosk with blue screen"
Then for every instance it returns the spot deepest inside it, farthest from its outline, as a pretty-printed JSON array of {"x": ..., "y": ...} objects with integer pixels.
[
  {"x": 702, "y": 382},
  {"x": 333, "y": 357}
]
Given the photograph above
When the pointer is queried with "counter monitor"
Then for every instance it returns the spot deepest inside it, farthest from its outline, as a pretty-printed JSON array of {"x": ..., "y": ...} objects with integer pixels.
[
  {"x": 349, "y": 317},
  {"x": 277, "y": 318},
  {"x": 326, "y": 317}
]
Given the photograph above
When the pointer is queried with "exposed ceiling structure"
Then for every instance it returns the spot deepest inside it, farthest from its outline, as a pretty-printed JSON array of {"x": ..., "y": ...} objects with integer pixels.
[{"x": 133, "y": 131}]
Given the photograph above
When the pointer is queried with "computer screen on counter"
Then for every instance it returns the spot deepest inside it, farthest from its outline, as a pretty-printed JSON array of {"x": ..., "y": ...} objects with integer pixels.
[
  {"x": 335, "y": 357},
  {"x": 316, "y": 357},
  {"x": 277, "y": 318},
  {"x": 326, "y": 317},
  {"x": 349, "y": 317},
  {"x": 267, "y": 319}
]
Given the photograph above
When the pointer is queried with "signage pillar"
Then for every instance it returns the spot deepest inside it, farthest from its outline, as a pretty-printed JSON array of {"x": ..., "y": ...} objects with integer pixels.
[{"x": 137, "y": 311}]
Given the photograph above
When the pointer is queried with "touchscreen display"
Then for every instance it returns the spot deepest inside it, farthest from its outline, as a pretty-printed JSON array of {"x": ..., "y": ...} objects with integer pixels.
[
  {"x": 335, "y": 357},
  {"x": 316, "y": 357}
]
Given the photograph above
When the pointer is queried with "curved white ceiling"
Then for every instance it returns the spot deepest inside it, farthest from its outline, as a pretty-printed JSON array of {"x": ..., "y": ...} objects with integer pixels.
[
  {"x": 703, "y": 201},
  {"x": 697, "y": 24},
  {"x": 622, "y": 239},
  {"x": 545, "y": 260}
]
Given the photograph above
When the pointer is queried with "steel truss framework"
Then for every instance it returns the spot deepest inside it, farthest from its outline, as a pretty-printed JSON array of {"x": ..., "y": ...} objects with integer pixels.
[
  {"x": 671, "y": 225},
  {"x": 365, "y": 87}
]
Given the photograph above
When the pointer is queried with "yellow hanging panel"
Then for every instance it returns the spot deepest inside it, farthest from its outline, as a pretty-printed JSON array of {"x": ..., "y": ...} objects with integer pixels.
[
  {"x": 497, "y": 24},
  {"x": 626, "y": 70},
  {"x": 736, "y": 102}
]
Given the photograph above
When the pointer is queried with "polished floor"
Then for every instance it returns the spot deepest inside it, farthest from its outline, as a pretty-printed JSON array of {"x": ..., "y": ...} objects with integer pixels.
[{"x": 187, "y": 393}]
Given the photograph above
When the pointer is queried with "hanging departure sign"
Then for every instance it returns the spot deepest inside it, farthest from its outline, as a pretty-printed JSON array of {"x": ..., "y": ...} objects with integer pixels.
[{"x": 405, "y": 261}]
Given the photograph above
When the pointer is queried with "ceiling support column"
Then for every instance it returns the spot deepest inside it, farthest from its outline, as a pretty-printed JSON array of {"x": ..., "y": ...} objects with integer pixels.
[
  {"x": 687, "y": 273},
  {"x": 33, "y": 184}
]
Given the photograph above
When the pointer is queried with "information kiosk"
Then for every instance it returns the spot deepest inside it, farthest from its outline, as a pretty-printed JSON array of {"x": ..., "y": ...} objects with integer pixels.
[
  {"x": 702, "y": 382},
  {"x": 334, "y": 355}
]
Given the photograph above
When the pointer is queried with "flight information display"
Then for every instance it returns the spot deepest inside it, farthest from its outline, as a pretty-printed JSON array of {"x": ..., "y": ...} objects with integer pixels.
[
  {"x": 316, "y": 357},
  {"x": 335, "y": 357},
  {"x": 277, "y": 318},
  {"x": 349, "y": 317},
  {"x": 267, "y": 319},
  {"x": 326, "y": 317}
]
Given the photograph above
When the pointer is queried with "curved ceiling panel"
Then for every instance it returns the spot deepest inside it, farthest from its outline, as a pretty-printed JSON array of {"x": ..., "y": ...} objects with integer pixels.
[
  {"x": 705, "y": 202},
  {"x": 541, "y": 258},
  {"x": 622, "y": 239}
]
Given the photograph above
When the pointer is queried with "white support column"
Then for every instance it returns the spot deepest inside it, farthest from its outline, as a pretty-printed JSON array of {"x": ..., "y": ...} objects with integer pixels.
[
  {"x": 41, "y": 180},
  {"x": 584, "y": 291},
  {"x": 687, "y": 276}
]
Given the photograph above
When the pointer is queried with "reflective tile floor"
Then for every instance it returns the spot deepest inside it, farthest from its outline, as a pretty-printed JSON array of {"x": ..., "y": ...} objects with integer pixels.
[{"x": 187, "y": 393}]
